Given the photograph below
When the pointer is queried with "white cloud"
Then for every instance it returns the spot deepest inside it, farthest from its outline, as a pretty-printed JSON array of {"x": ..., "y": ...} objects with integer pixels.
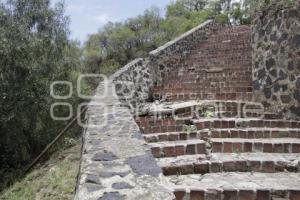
[{"x": 102, "y": 18}]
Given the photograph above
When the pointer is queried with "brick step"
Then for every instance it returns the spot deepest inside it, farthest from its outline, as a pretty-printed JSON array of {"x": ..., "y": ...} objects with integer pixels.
[
  {"x": 202, "y": 79},
  {"x": 178, "y": 148},
  {"x": 219, "y": 105},
  {"x": 237, "y": 145},
  {"x": 149, "y": 125},
  {"x": 202, "y": 74},
  {"x": 243, "y": 96},
  {"x": 201, "y": 57},
  {"x": 247, "y": 133},
  {"x": 231, "y": 114},
  {"x": 219, "y": 162},
  {"x": 201, "y": 89},
  {"x": 196, "y": 110},
  {"x": 244, "y": 123},
  {"x": 217, "y": 84},
  {"x": 236, "y": 186}
]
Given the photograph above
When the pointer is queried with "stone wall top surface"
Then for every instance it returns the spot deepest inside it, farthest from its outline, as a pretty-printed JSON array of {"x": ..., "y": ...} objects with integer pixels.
[
  {"x": 179, "y": 39},
  {"x": 116, "y": 163}
]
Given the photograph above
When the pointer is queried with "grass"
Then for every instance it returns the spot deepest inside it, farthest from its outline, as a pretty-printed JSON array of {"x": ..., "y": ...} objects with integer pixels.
[{"x": 54, "y": 180}]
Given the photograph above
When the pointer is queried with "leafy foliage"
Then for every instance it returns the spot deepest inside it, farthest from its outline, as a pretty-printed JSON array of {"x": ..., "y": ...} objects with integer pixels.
[{"x": 34, "y": 52}]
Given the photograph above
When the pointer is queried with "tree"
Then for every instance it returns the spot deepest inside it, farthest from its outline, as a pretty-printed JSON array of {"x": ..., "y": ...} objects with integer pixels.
[{"x": 34, "y": 52}]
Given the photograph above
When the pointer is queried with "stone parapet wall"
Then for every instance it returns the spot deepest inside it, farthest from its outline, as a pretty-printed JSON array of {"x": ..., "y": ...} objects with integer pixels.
[
  {"x": 276, "y": 58},
  {"x": 116, "y": 163}
]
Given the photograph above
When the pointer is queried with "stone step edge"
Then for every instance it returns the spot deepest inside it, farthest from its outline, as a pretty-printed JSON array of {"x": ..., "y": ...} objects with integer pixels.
[
  {"x": 241, "y": 164},
  {"x": 173, "y": 149},
  {"x": 224, "y": 194},
  {"x": 278, "y": 145},
  {"x": 217, "y": 133}
]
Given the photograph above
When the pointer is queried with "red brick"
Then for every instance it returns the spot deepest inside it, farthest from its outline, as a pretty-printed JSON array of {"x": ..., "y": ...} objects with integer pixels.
[
  {"x": 231, "y": 124},
  {"x": 287, "y": 148},
  {"x": 241, "y": 166},
  {"x": 247, "y": 147},
  {"x": 187, "y": 169},
  {"x": 224, "y": 124},
  {"x": 227, "y": 147},
  {"x": 200, "y": 125},
  {"x": 255, "y": 166},
  {"x": 268, "y": 148},
  {"x": 217, "y": 124},
  {"x": 296, "y": 148},
  {"x": 237, "y": 147},
  {"x": 217, "y": 147},
  {"x": 213, "y": 195},
  {"x": 193, "y": 135},
  {"x": 169, "y": 151},
  {"x": 179, "y": 150},
  {"x": 294, "y": 194},
  {"x": 215, "y": 134},
  {"x": 173, "y": 137},
  {"x": 156, "y": 152},
  {"x": 197, "y": 195},
  {"x": 263, "y": 195},
  {"x": 234, "y": 134},
  {"x": 251, "y": 134},
  {"x": 225, "y": 134},
  {"x": 183, "y": 136},
  {"x": 171, "y": 170},
  {"x": 163, "y": 138},
  {"x": 201, "y": 148},
  {"x": 275, "y": 134},
  {"x": 171, "y": 128},
  {"x": 268, "y": 166},
  {"x": 257, "y": 147},
  {"x": 230, "y": 194},
  {"x": 229, "y": 166},
  {"x": 179, "y": 194},
  {"x": 246, "y": 195},
  {"x": 201, "y": 168},
  {"x": 215, "y": 167},
  {"x": 278, "y": 148},
  {"x": 243, "y": 134},
  {"x": 190, "y": 149}
]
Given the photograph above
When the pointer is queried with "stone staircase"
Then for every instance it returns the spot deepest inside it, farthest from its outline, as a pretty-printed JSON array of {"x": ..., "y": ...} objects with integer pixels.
[
  {"x": 212, "y": 141},
  {"x": 215, "y": 158}
]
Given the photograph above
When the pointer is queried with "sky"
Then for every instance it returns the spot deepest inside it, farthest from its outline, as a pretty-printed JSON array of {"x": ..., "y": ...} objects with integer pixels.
[{"x": 88, "y": 16}]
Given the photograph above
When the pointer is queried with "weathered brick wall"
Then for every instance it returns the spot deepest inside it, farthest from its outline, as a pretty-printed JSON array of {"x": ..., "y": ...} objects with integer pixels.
[
  {"x": 276, "y": 59},
  {"x": 165, "y": 57},
  {"x": 217, "y": 65}
]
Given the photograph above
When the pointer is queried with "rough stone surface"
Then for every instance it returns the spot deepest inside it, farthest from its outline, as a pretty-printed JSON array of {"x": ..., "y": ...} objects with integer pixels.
[
  {"x": 113, "y": 155},
  {"x": 276, "y": 58}
]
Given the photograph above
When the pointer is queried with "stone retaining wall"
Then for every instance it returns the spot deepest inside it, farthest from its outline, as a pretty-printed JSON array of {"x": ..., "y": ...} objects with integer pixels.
[
  {"x": 276, "y": 58},
  {"x": 116, "y": 163}
]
